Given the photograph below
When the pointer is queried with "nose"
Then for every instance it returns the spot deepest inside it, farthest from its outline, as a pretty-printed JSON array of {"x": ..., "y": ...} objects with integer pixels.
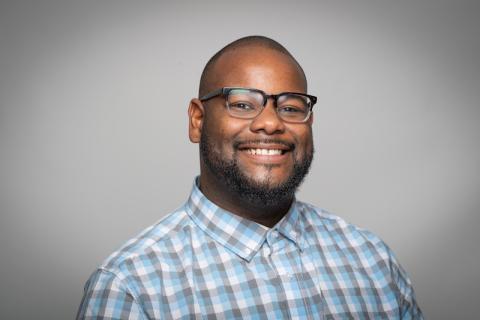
[{"x": 268, "y": 120}]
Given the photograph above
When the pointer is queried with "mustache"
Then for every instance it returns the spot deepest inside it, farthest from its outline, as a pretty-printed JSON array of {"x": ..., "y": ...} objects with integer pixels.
[{"x": 289, "y": 145}]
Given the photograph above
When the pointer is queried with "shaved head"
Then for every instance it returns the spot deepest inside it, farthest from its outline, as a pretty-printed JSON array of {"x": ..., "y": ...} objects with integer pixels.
[{"x": 210, "y": 74}]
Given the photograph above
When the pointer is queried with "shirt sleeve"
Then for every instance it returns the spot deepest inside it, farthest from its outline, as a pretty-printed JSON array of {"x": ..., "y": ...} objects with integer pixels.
[
  {"x": 409, "y": 308},
  {"x": 106, "y": 296},
  {"x": 400, "y": 282}
]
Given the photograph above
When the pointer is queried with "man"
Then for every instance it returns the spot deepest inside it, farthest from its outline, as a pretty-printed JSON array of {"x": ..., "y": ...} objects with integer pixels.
[{"x": 242, "y": 246}]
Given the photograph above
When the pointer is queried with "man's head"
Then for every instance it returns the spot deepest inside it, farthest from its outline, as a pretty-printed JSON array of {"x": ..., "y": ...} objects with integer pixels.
[
  {"x": 210, "y": 73},
  {"x": 262, "y": 160}
]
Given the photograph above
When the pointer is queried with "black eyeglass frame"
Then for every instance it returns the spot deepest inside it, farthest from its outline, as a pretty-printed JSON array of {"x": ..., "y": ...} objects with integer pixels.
[{"x": 225, "y": 91}]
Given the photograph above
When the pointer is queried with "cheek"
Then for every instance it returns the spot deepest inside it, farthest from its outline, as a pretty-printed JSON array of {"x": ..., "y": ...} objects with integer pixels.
[
  {"x": 214, "y": 129},
  {"x": 227, "y": 132},
  {"x": 309, "y": 141},
  {"x": 304, "y": 141},
  {"x": 222, "y": 140}
]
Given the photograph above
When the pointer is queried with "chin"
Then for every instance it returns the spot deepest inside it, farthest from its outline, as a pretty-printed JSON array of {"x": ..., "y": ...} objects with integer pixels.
[
  {"x": 268, "y": 181},
  {"x": 267, "y": 175}
]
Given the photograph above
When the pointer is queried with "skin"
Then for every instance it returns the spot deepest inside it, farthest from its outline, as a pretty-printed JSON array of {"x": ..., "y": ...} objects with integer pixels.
[{"x": 272, "y": 72}]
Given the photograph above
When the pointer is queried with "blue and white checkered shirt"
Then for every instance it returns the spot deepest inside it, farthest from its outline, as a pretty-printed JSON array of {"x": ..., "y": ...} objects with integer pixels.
[{"x": 202, "y": 262}]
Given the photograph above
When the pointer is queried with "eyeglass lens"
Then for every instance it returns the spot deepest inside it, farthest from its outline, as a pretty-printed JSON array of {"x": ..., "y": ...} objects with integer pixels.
[{"x": 248, "y": 104}]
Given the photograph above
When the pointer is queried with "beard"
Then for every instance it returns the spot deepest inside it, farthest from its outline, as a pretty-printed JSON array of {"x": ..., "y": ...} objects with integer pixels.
[{"x": 257, "y": 193}]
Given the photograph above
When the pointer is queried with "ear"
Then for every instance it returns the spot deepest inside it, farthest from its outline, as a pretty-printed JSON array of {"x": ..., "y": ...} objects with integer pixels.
[{"x": 196, "y": 113}]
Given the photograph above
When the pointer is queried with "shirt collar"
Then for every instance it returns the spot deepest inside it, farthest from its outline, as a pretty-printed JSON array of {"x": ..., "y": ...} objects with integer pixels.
[{"x": 242, "y": 236}]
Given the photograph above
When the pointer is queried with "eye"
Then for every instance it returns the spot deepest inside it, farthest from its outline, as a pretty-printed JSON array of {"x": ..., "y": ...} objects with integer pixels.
[
  {"x": 242, "y": 106},
  {"x": 292, "y": 106},
  {"x": 290, "y": 110}
]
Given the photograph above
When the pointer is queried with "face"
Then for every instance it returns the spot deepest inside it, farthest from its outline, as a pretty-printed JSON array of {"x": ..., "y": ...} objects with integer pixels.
[{"x": 261, "y": 159}]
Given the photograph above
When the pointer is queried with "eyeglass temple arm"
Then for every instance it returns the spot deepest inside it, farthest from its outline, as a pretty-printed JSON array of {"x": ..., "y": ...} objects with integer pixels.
[{"x": 212, "y": 94}]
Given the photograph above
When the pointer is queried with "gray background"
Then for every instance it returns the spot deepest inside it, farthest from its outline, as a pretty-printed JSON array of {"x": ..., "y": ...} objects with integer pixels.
[{"x": 94, "y": 147}]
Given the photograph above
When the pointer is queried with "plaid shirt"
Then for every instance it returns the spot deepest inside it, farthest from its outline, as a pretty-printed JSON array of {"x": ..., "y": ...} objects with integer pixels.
[{"x": 202, "y": 262}]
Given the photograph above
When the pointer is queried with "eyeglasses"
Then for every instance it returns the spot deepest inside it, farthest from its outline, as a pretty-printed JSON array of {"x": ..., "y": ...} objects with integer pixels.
[{"x": 246, "y": 103}]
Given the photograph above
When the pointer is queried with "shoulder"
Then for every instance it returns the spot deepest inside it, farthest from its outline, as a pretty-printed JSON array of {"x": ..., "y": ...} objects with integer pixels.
[
  {"x": 158, "y": 244},
  {"x": 344, "y": 246},
  {"x": 115, "y": 288},
  {"x": 331, "y": 229},
  {"x": 360, "y": 248}
]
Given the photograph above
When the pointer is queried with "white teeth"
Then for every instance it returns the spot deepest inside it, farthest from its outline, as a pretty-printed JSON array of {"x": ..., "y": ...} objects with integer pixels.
[{"x": 264, "y": 152}]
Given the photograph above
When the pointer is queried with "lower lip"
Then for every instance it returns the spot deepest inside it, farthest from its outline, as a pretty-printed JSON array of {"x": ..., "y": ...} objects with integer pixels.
[{"x": 266, "y": 159}]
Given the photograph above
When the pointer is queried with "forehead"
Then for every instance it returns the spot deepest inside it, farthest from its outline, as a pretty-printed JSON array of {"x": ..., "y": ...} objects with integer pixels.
[{"x": 260, "y": 68}]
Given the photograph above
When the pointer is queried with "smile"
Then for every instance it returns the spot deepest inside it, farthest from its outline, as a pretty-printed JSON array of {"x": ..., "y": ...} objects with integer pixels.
[{"x": 265, "y": 152}]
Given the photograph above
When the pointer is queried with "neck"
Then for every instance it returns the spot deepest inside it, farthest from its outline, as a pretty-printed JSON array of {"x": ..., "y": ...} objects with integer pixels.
[{"x": 220, "y": 194}]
